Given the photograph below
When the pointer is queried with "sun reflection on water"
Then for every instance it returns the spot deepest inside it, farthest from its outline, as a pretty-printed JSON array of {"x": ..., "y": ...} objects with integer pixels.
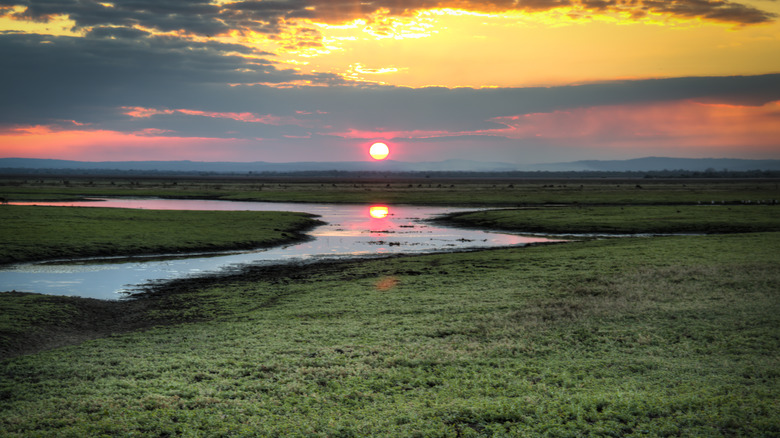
[
  {"x": 350, "y": 230},
  {"x": 386, "y": 283},
  {"x": 378, "y": 211}
]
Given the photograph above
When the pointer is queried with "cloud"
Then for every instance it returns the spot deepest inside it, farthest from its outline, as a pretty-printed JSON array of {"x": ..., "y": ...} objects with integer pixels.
[
  {"x": 387, "y": 109},
  {"x": 117, "y": 32},
  {"x": 165, "y": 41},
  {"x": 70, "y": 78},
  {"x": 721, "y": 11},
  {"x": 246, "y": 117},
  {"x": 105, "y": 145},
  {"x": 195, "y": 16},
  {"x": 56, "y": 80},
  {"x": 339, "y": 11},
  {"x": 684, "y": 123},
  {"x": 739, "y": 110},
  {"x": 202, "y": 17},
  {"x": 170, "y": 70}
]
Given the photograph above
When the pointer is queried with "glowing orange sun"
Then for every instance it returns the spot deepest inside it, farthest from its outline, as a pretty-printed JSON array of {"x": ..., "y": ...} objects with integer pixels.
[{"x": 379, "y": 151}]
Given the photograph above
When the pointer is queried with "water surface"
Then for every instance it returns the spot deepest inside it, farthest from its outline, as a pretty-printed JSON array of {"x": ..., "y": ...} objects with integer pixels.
[{"x": 350, "y": 230}]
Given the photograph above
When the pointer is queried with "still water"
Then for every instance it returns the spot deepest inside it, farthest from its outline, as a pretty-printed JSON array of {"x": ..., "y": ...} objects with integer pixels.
[{"x": 350, "y": 230}]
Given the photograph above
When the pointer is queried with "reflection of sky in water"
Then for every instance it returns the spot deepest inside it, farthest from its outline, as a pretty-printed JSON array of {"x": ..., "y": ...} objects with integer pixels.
[{"x": 350, "y": 230}]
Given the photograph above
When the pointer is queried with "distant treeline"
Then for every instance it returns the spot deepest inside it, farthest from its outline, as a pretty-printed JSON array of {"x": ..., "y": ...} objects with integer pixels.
[{"x": 342, "y": 174}]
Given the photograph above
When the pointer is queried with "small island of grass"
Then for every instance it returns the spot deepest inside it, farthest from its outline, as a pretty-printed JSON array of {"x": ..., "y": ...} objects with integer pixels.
[
  {"x": 625, "y": 219},
  {"x": 40, "y": 233}
]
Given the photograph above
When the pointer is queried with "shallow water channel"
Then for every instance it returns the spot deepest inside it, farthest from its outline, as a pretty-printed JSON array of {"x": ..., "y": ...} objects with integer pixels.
[{"x": 350, "y": 231}]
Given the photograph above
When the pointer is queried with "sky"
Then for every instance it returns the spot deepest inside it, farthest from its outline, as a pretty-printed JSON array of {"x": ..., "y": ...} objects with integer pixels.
[{"x": 526, "y": 81}]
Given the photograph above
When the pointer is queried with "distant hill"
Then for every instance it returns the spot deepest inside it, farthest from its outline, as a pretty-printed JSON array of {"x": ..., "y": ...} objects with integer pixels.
[
  {"x": 257, "y": 166},
  {"x": 648, "y": 164}
]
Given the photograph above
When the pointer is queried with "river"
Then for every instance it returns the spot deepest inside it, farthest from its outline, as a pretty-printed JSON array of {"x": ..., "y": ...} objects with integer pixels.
[{"x": 349, "y": 231}]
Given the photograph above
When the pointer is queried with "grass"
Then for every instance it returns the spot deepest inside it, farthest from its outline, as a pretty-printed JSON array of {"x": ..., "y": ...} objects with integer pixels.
[
  {"x": 662, "y": 336},
  {"x": 30, "y": 323},
  {"x": 37, "y": 233},
  {"x": 669, "y": 336},
  {"x": 24, "y": 314},
  {"x": 658, "y": 219}
]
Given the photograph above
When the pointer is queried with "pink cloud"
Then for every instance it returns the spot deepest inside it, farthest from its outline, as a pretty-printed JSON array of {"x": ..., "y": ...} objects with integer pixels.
[
  {"x": 677, "y": 128},
  {"x": 367, "y": 134},
  {"x": 141, "y": 112},
  {"x": 153, "y": 131},
  {"x": 248, "y": 117},
  {"x": 103, "y": 145},
  {"x": 680, "y": 123},
  {"x": 666, "y": 124}
]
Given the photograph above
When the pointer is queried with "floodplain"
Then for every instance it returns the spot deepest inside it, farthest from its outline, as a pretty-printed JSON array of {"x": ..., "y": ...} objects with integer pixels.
[{"x": 636, "y": 336}]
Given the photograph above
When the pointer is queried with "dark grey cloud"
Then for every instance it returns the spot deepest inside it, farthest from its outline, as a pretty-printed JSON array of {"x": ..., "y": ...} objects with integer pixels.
[
  {"x": 196, "y": 16},
  {"x": 203, "y": 18},
  {"x": 715, "y": 10},
  {"x": 463, "y": 110},
  {"x": 117, "y": 32},
  {"x": 724, "y": 11},
  {"x": 47, "y": 76},
  {"x": 94, "y": 81},
  {"x": 466, "y": 109}
]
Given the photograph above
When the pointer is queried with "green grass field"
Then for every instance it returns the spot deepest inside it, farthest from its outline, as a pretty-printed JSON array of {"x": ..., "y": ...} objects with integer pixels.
[
  {"x": 410, "y": 191},
  {"x": 661, "y": 336},
  {"x": 627, "y": 337}
]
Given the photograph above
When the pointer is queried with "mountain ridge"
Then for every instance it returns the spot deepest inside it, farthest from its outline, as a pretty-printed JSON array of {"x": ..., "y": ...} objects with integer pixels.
[{"x": 644, "y": 164}]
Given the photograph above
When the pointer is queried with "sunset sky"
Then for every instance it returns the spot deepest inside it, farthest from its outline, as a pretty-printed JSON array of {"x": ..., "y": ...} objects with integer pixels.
[{"x": 294, "y": 80}]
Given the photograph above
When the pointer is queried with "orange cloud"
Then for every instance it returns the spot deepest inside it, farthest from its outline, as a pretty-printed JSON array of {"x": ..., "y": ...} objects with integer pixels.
[
  {"x": 466, "y": 44},
  {"x": 711, "y": 10},
  {"x": 103, "y": 145}
]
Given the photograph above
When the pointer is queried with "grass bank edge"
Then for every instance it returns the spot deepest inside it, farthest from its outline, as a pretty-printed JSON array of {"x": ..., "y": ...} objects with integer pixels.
[
  {"x": 24, "y": 315},
  {"x": 33, "y": 233}
]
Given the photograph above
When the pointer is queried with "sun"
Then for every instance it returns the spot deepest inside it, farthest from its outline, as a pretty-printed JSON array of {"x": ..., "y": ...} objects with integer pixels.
[{"x": 379, "y": 151}]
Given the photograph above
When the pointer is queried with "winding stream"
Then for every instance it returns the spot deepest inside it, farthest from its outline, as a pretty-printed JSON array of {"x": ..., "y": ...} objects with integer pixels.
[{"x": 350, "y": 230}]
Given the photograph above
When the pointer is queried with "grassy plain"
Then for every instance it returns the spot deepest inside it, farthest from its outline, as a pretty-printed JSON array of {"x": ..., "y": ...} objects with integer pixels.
[
  {"x": 386, "y": 189},
  {"x": 673, "y": 336},
  {"x": 663, "y": 336}
]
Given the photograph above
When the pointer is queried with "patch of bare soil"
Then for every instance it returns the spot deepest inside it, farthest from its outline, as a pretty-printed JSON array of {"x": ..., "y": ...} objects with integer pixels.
[
  {"x": 94, "y": 319},
  {"x": 91, "y": 319}
]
